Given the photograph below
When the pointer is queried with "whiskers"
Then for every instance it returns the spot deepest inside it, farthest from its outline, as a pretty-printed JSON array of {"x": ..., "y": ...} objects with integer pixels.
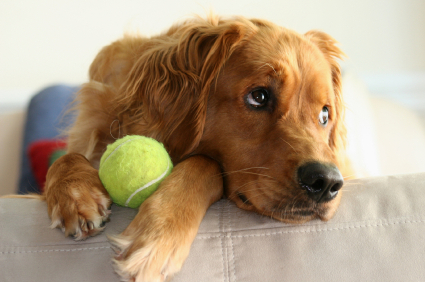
[
  {"x": 260, "y": 189},
  {"x": 349, "y": 176},
  {"x": 289, "y": 144},
  {"x": 289, "y": 210},
  {"x": 247, "y": 171},
  {"x": 258, "y": 185},
  {"x": 348, "y": 186},
  {"x": 269, "y": 189}
]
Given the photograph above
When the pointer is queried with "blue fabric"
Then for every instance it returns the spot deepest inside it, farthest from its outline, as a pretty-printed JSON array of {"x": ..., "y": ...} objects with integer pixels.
[{"x": 45, "y": 120}]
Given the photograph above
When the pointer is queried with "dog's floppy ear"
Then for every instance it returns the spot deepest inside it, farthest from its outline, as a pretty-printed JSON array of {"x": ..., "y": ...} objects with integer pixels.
[
  {"x": 169, "y": 84},
  {"x": 332, "y": 53}
]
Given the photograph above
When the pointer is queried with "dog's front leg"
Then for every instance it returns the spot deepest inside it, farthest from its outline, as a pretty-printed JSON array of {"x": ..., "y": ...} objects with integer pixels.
[{"x": 156, "y": 243}]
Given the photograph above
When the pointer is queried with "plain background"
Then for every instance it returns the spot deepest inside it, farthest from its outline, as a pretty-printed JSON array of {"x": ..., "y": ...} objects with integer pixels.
[{"x": 49, "y": 41}]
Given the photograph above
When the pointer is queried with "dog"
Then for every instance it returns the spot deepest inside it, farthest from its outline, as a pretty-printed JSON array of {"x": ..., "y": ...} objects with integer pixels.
[{"x": 246, "y": 109}]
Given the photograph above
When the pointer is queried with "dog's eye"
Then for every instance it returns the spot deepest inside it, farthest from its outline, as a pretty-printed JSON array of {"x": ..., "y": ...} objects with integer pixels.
[
  {"x": 258, "y": 98},
  {"x": 323, "y": 116}
]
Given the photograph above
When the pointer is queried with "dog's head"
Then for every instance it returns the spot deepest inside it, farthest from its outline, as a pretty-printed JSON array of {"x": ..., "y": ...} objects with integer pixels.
[
  {"x": 275, "y": 123},
  {"x": 264, "y": 102}
]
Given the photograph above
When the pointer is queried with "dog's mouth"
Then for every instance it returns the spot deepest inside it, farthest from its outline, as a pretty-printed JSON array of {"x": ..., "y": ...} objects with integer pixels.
[
  {"x": 305, "y": 211},
  {"x": 290, "y": 211},
  {"x": 302, "y": 214},
  {"x": 293, "y": 214}
]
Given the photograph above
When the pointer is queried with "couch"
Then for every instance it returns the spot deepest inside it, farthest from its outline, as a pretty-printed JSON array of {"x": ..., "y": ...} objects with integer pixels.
[{"x": 378, "y": 233}]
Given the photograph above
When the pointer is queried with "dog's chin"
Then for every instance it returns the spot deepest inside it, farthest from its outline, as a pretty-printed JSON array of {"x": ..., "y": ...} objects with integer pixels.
[
  {"x": 295, "y": 214},
  {"x": 297, "y": 217},
  {"x": 323, "y": 212}
]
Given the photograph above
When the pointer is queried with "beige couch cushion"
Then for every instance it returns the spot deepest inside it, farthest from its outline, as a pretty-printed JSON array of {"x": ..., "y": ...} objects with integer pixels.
[{"x": 376, "y": 235}]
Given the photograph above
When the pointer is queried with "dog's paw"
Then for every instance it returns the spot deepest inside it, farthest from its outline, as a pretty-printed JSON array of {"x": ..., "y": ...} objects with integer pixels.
[
  {"x": 80, "y": 214},
  {"x": 155, "y": 244},
  {"x": 147, "y": 258},
  {"x": 77, "y": 202}
]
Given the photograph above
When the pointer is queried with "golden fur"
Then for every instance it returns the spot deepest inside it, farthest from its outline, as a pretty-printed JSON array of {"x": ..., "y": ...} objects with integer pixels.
[{"x": 188, "y": 89}]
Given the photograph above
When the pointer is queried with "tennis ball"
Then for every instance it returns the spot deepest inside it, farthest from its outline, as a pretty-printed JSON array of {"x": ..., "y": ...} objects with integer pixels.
[{"x": 132, "y": 168}]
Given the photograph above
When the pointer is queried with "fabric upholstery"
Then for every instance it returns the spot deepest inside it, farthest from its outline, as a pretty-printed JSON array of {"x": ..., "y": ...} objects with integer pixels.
[{"x": 378, "y": 234}]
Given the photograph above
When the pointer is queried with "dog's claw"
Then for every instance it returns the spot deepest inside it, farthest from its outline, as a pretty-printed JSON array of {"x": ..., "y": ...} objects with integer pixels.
[{"x": 102, "y": 211}]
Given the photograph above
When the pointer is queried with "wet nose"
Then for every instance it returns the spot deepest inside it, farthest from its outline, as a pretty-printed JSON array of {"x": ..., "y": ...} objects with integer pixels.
[{"x": 321, "y": 181}]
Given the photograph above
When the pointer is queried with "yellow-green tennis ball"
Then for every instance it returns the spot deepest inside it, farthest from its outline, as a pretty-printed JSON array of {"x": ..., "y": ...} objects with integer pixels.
[{"x": 132, "y": 168}]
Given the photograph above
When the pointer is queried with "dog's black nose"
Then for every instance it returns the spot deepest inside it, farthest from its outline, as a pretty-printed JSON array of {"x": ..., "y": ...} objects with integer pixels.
[{"x": 321, "y": 181}]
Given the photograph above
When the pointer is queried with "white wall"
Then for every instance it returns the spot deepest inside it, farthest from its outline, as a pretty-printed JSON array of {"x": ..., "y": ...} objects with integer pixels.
[{"x": 49, "y": 41}]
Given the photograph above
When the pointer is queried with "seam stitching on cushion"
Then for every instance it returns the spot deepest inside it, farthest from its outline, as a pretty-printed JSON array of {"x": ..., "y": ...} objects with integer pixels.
[
  {"x": 221, "y": 229},
  {"x": 232, "y": 248},
  {"x": 317, "y": 230},
  {"x": 59, "y": 250}
]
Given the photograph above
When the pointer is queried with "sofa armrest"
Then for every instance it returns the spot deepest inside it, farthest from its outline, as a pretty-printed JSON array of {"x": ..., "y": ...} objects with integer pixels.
[
  {"x": 12, "y": 129},
  {"x": 376, "y": 235}
]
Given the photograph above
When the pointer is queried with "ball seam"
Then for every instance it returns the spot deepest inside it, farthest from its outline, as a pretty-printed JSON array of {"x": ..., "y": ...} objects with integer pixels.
[
  {"x": 149, "y": 183},
  {"x": 119, "y": 146}
]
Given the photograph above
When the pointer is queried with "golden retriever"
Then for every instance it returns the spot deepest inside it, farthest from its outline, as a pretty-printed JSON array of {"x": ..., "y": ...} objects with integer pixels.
[{"x": 246, "y": 109}]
